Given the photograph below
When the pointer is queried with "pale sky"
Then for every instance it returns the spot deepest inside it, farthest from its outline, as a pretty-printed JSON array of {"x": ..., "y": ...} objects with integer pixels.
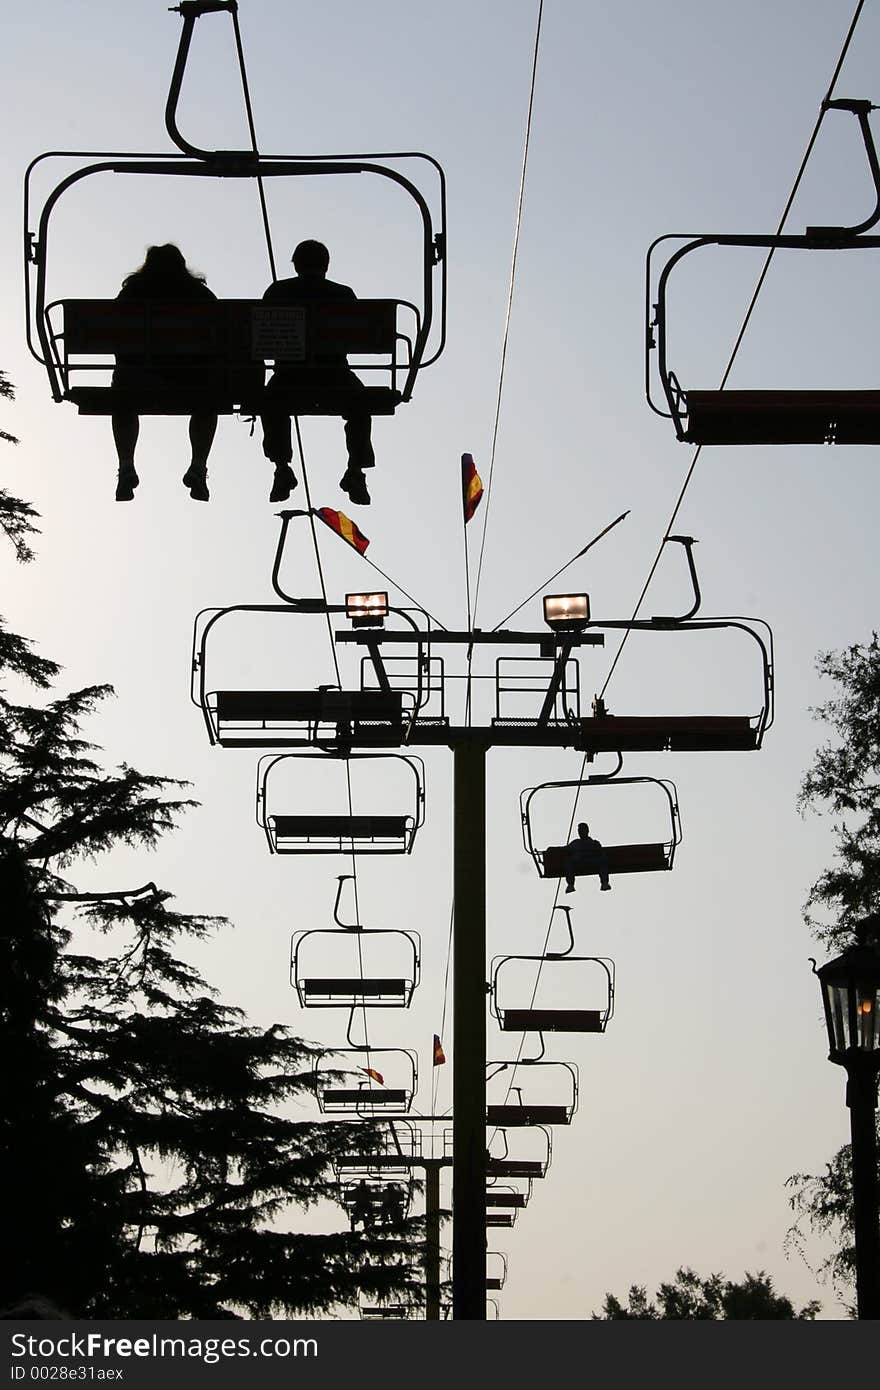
[{"x": 710, "y": 1086}]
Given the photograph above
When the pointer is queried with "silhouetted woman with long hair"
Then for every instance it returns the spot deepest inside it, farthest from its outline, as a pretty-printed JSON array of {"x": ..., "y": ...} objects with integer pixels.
[{"x": 164, "y": 276}]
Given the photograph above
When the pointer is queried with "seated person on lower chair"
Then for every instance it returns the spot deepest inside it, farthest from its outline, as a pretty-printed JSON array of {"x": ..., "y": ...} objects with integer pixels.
[
  {"x": 584, "y": 855},
  {"x": 311, "y": 260}
]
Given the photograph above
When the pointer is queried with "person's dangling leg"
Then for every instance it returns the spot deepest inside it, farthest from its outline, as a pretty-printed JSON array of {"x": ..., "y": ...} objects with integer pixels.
[
  {"x": 126, "y": 428},
  {"x": 358, "y": 441},
  {"x": 202, "y": 428},
  {"x": 278, "y": 449}
]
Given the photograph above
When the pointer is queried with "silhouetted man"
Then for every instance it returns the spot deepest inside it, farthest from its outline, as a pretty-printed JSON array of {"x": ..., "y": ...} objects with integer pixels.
[
  {"x": 362, "y": 1209},
  {"x": 391, "y": 1208},
  {"x": 583, "y": 855},
  {"x": 311, "y": 260}
]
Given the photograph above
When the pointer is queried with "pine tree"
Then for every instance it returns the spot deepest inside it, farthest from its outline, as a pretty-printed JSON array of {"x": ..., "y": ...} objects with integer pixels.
[{"x": 149, "y": 1162}]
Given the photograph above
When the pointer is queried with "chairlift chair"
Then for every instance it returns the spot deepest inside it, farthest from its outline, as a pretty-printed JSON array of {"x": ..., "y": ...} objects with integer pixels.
[
  {"x": 356, "y": 991},
  {"x": 506, "y": 1166},
  {"x": 369, "y": 1097},
  {"x": 519, "y": 1114},
  {"x": 235, "y": 338},
  {"x": 340, "y": 834},
  {"x": 552, "y": 862},
  {"x": 531, "y": 1019},
  {"x": 284, "y": 718},
  {"x": 399, "y": 1145},
  {"x": 496, "y": 1280},
  {"x": 327, "y": 717},
  {"x": 723, "y": 416},
  {"x": 376, "y": 991},
  {"x": 603, "y": 732}
]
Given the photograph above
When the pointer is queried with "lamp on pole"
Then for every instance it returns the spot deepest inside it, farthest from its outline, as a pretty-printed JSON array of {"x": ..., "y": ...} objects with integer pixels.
[{"x": 851, "y": 998}]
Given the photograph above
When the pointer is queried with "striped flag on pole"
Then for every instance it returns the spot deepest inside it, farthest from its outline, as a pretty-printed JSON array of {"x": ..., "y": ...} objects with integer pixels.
[
  {"x": 439, "y": 1054},
  {"x": 374, "y": 1075},
  {"x": 344, "y": 527},
  {"x": 471, "y": 486}
]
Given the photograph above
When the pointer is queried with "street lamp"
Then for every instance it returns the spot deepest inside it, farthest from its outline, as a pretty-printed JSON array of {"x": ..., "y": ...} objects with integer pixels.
[{"x": 851, "y": 997}]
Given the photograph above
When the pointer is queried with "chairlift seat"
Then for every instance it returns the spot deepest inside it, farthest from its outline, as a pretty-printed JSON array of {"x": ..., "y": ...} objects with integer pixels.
[
  {"x": 276, "y": 718},
  {"x": 499, "y": 1218},
  {"x": 614, "y": 733},
  {"x": 515, "y": 1168},
  {"x": 337, "y": 834},
  {"x": 783, "y": 417},
  {"x": 552, "y": 1020},
  {"x": 621, "y": 859},
  {"x": 352, "y": 991},
  {"x": 359, "y": 1097},
  {"x": 517, "y": 1116},
  {"x": 505, "y": 1199},
  {"x": 234, "y": 338},
  {"x": 493, "y": 1281}
]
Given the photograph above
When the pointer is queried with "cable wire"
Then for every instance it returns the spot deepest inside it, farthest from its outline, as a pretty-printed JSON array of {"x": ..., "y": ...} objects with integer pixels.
[{"x": 507, "y": 317}]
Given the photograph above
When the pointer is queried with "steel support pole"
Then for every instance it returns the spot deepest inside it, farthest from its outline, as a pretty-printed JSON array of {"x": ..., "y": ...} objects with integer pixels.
[
  {"x": 432, "y": 1240},
  {"x": 861, "y": 1097},
  {"x": 469, "y": 1042}
]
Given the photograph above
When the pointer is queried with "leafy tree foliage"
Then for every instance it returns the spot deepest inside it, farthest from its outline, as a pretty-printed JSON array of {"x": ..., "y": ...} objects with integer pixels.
[
  {"x": 714, "y": 1299},
  {"x": 845, "y": 781},
  {"x": 152, "y": 1141}
]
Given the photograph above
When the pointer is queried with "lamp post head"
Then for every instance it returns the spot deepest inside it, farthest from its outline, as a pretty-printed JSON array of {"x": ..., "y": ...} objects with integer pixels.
[{"x": 851, "y": 997}]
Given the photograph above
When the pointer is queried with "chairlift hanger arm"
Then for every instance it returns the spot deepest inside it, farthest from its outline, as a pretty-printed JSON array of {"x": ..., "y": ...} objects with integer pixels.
[
  {"x": 860, "y": 109},
  {"x": 688, "y": 542}
]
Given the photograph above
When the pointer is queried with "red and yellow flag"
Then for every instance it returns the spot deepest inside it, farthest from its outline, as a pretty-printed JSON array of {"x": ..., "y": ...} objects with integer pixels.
[
  {"x": 439, "y": 1054},
  {"x": 344, "y": 527},
  {"x": 471, "y": 486},
  {"x": 374, "y": 1075}
]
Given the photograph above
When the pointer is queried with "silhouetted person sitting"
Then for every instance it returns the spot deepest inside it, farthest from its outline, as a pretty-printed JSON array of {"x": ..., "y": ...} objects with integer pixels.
[
  {"x": 585, "y": 854},
  {"x": 329, "y": 371},
  {"x": 391, "y": 1206},
  {"x": 163, "y": 277},
  {"x": 362, "y": 1208}
]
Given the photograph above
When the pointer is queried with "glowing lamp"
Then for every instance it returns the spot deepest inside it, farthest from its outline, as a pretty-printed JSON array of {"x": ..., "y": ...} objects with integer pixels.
[
  {"x": 366, "y": 610},
  {"x": 566, "y": 611}
]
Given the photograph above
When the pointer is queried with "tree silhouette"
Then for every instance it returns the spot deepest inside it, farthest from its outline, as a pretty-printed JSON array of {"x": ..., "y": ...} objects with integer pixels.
[
  {"x": 150, "y": 1161},
  {"x": 845, "y": 781},
  {"x": 714, "y": 1299}
]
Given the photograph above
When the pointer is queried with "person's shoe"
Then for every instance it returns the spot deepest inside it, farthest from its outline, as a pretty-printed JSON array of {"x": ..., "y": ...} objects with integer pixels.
[
  {"x": 355, "y": 484},
  {"x": 605, "y": 888},
  {"x": 196, "y": 479},
  {"x": 569, "y": 888},
  {"x": 126, "y": 482},
  {"x": 284, "y": 482}
]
